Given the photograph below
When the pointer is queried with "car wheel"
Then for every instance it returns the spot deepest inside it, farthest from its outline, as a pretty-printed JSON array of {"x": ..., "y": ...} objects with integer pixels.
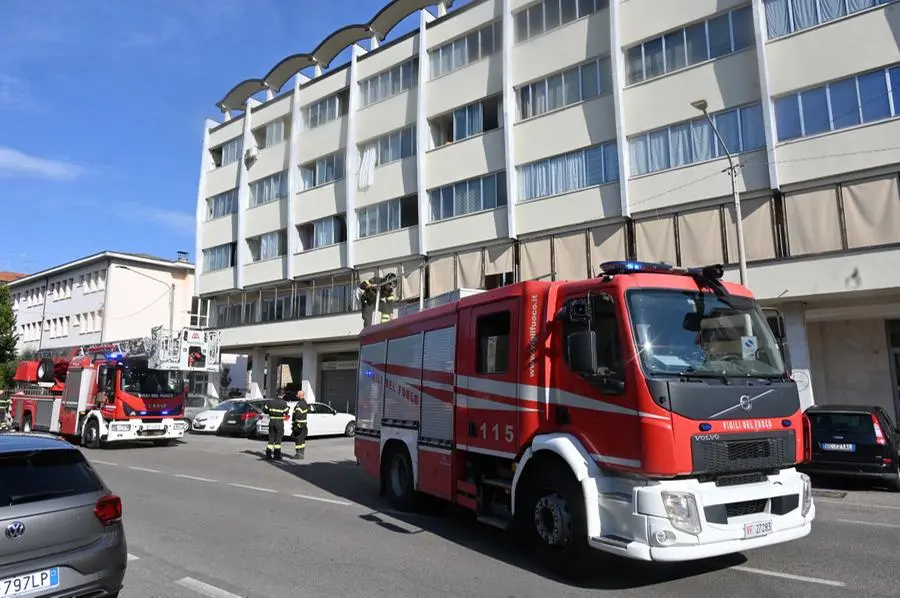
[
  {"x": 187, "y": 426},
  {"x": 350, "y": 430}
]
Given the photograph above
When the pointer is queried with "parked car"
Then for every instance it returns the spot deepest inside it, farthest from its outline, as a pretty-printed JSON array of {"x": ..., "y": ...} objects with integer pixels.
[
  {"x": 241, "y": 419},
  {"x": 322, "y": 420},
  {"x": 63, "y": 532},
  {"x": 853, "y": 441},
  {"x": 197, "y": 403},
  {"x": 210, "y": 420}
]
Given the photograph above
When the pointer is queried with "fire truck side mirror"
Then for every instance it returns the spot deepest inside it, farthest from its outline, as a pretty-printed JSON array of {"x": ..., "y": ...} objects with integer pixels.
[
  {"x": 581, "y": 352},
  {"x": 776, "y": 322},
  {"x": 102, "y": 374},
  {"x": 576, "y": 310}
]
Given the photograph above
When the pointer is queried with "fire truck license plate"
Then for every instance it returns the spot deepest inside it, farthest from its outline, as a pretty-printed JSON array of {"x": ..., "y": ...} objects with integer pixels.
[
  {"x": 153, "y": 426},
  {"x": 757, "y": 529}
]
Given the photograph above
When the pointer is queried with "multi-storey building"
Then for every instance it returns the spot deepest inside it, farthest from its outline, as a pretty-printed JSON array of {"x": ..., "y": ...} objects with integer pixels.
[{"x": 517, "y": 139}]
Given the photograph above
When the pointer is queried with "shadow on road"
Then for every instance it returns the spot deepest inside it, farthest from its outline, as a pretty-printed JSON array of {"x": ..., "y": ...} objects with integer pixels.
[{"x": 345, "y": 480}]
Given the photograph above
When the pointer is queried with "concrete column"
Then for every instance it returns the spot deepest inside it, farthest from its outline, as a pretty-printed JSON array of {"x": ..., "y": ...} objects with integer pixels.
[
  {"x": 257, "y": 373},
  {"x": 422, "y": 131},
  {"x": 293, "y": 176},
  {"x": 510, "y": 113},
  {"x": 798, "y": 346},
  {"x": 242, "y": 254},
  {"x": 272, "y": 364},
  {"x": 768, "y": 107},
  {"x": 351, "y": 155},
  {"x": 206, "y": 164},
  {"x": 310, "y": 372},
  {"x": 617, "y": 59}
]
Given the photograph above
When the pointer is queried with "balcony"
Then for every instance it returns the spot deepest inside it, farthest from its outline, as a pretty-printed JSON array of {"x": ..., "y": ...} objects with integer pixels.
[
  {"x": 465, "y": 85},
  {"x": 263, "y": 272},
  {"x": 320, "y": 260},
  {"x": 392, "y": 180},
  {"x": 387, "y": 247},
  {"x": 468, "y": 229},
  {"x": 466, "y": 159},
  {"x": 321, "y": 202},
  {"x": 216, "y": 281},
  {"x": 569, "y": 209},
  {"x": 222, "y": 179},
  {"x": 219, "y": 231}
]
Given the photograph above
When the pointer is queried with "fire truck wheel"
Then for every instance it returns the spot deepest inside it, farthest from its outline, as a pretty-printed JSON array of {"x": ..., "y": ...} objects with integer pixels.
[
  {"x": 397, "y": 478},
  {"x": 90, "y": 435},
  {"x": 26, "y": 424},
  {"x": 556, "y": 524},
  {"x": 45, "y": 372}
]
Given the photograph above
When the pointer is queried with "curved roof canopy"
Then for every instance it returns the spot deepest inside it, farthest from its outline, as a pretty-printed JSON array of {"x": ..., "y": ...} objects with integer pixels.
[{"x": 380, "y": 26}]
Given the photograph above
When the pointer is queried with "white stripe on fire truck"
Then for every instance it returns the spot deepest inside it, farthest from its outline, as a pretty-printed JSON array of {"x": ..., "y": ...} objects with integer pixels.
[
  {"x": 472, "y": 402},
  {"x": 616, "y": 460},
  {"x": 484, "y": 451}
]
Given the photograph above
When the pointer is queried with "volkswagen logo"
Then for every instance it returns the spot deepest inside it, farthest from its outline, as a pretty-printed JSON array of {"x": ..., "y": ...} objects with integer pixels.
[
  {"x": 14, "y": 530},
  {"x": 745, "y": 402}
]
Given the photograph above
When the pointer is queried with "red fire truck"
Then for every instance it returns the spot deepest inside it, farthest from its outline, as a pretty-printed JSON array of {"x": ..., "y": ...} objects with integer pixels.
[
  {"x": 115, "y": 392},
  {"x": 646, "y": 413}
]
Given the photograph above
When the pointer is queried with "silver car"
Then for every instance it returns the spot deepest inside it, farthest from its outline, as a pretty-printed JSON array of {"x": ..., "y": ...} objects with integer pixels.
[
  {"x": 196, "y": 404},
  {"x": 61, "y": 531}
]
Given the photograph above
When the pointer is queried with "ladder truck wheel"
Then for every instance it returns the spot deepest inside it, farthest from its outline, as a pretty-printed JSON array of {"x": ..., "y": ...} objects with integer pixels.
[
  {"x": 397, "y": 478},
  {"x": 26, "y": 424},
  {"x": 90, "y": 435},
  {"x": 555, "y": 524}
]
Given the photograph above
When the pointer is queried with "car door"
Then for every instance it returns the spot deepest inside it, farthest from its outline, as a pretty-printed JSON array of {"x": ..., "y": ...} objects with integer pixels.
[
  {"x": 317, "y": 420},
  {"x": 331, "y": 423}
]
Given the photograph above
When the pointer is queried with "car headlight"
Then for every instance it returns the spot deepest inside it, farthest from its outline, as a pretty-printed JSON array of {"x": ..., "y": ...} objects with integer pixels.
[
  {"x": 681, "y": 509},
  {"x": 807, "y": 494}
]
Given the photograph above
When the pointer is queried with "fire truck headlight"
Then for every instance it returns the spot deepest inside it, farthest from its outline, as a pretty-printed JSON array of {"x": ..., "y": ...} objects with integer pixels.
[
  {"x": 681, "y": 509},
  {"x": 807, "y": 494}
]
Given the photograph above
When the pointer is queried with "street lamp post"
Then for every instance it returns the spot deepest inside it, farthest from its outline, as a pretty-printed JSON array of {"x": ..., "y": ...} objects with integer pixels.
[
  {"x": 170, "y": 287},
  {"x": 702, "y": 106}
]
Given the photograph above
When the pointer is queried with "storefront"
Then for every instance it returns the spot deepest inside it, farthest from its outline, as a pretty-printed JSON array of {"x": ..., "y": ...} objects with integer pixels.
[{"x": 337, "y": 380}]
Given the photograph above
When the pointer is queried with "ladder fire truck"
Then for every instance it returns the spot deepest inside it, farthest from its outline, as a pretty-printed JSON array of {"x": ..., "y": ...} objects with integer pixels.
[
  {"x": 114, "y": 392},
  {"x": 646, "y": 413}
]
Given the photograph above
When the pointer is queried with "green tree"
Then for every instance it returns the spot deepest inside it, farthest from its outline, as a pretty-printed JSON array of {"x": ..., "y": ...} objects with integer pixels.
[{"x": 8, "y": 336}]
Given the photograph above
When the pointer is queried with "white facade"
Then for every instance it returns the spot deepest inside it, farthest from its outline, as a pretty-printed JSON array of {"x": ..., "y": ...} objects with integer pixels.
[
  {"x": 517, "y": 140},
  {"x": 105, "y": 297}
]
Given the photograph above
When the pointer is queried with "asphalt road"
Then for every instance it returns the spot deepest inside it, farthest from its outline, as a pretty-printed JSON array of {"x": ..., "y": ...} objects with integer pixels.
[{"x": 208, "y": 518}]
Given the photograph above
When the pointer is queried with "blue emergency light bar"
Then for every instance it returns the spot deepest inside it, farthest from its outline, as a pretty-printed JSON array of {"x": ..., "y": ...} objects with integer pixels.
[
  {"x": 115, "y": 356},
  {"x": 634, "y": 267}
]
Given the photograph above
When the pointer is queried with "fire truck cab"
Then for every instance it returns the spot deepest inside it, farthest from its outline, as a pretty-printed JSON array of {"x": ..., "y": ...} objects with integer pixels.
[
  {"x": 115, "y": 392},
  {"x": 646, "y": 413}
]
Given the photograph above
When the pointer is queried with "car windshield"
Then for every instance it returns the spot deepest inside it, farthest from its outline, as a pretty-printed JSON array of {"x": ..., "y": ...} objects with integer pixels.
[
  {"x": 696, "y": 333},
  {"x": 225, "y": 406},
  {"x": 152, "y": 383}
]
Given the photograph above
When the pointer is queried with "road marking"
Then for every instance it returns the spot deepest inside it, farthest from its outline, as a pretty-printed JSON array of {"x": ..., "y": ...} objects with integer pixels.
[
  {"x": 869, "y": 523},
  {"x": 185, "y": 476},
  {"x": 132, "y": 557},
  {"x": 817, "y": 580},
  {"x": 343, "y": 503},
  {"x": 147, "y": 469},
  {"x": 257, "y": 488},
  {"x": 205, "y": 588},
  {"x": 858, "y": 504},
  {"x": 103, "y": 462}
]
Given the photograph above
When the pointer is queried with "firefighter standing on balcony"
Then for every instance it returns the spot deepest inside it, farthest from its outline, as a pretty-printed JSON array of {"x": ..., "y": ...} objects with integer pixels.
[
  {"x": 299, "y": 431},
  {"x": 377, "y": 288},
  {"x": 4, "y": 410},
  {"x": 276, "y": 409}
]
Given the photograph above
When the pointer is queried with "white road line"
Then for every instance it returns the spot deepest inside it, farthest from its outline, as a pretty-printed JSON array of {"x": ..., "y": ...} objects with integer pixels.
[
  {"x": 147, "y": 469},
  {"x": 869, "y": 523},
  {"x": 132, "y": 557},
  {"x": 817, "y": 580},
  {"x": 185, "y": 476},
  {"x": 857, "y": 504},
  {"x": 343, "y": 503},
  {"x": 205, "y": 588},
  {"x": 257, "y": 488},
  {"x": 103, "y": 462}
]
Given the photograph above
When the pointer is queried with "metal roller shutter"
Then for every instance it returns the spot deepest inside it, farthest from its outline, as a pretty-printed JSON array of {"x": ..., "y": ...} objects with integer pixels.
[{"x": 338, "y": 389}]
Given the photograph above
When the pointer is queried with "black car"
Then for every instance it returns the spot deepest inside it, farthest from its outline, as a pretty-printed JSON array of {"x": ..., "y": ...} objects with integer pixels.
[
  {"x": 241, "y": 419},
  {"x": 854, "y": 441}
]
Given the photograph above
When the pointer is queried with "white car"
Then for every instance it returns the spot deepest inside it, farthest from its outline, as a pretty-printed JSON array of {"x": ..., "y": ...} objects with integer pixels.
[
  {"x": 321, "y": 420},
  {"x": 210, "y": 420}
]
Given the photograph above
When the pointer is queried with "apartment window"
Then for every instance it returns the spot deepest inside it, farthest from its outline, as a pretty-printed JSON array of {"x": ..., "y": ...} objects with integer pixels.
[
  {"x": 323, "y": 232},
  {"x": 326, "y": 109},
  {"x": 392, "y": 82},
  {"x": 551, "y": 14},
  {"x": 269, "y": 189},
  {"x": 268, "y": 246},
  {"x": 694, "y": 141},
  {"x": 334, "y": 299},
  {"x": 575, "y": 85},
  {"x": 388, "y": 216},
  {"x": 710, "y": 39},
  {"x": 784, "y": 17},
  {"x": 845, "y": 103},
  {"x": 393, "y": 146},
  {"x": 228, "y": 153},
  {"x": 221, "y": 205},
  {"x": 219, "y": 257},
  {"x": 271, "y": 134},
  {"x": 467, "y": 121},
  {"x": 468, "y": 197},
  {"x": 569, "y": 172},
  {"x": 465, "y": 50},
  {"x": 321, "y": 171}
]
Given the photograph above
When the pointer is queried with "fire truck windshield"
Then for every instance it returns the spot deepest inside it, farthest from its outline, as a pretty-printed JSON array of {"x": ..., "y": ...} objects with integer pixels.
[
  {"x": 147, "y": 383},
  {"x": 695, "y": 333}
]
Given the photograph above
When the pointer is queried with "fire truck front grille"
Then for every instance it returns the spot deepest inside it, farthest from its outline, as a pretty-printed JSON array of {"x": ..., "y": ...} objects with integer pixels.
[{"x": 735, "y": 453}]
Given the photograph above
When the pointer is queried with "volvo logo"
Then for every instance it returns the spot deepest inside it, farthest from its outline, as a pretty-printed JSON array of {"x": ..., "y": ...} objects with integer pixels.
[
  {"x": 14, "y": 530},
  {"x": 745, "y": 402}
]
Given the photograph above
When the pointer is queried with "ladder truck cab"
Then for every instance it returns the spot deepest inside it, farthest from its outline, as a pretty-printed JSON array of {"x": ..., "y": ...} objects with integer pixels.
[
  {"x": 118, "y": 392},
  {"x": 646, "y": 413}
]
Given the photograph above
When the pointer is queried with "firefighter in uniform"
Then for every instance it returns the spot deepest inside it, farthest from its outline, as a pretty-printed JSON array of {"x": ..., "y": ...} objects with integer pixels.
[
  {"x": 368, "y": 293},
  {"x": 4, "y": 410},
  {"x": 298, "y": 418},
  {"x": 276, "y": 409}
]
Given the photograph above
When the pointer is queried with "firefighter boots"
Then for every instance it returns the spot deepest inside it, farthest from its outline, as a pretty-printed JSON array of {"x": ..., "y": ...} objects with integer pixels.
[
  {"x": 299, "y": 454},
  {"x": 268, "y": 453},
  {"x": 278, "y": 454}
]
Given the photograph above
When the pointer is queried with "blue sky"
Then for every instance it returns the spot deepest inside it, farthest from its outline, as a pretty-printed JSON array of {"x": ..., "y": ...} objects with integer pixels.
[{"x": 102, "y": 105}]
